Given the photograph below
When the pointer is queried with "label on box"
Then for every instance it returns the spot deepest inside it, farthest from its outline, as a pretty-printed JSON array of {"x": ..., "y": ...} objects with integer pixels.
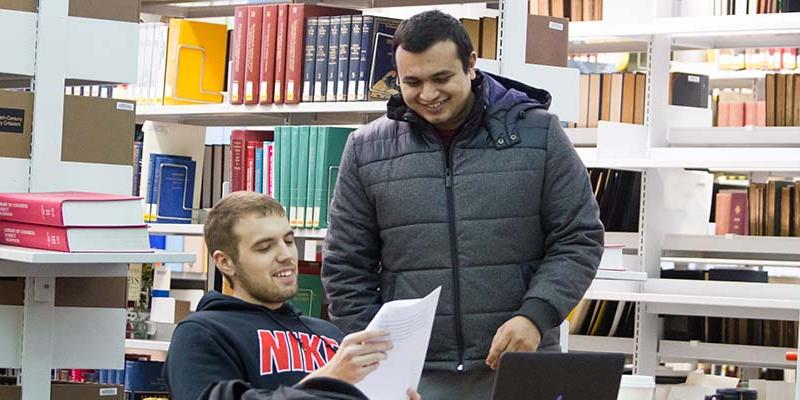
[
  {"x": 12, "y": 120},
  {"x": 124, "y": 106},
  {"x": 694, "y": 79},
  {"x": 108, "y": 392},
  {"x": 556, "y": 25}
]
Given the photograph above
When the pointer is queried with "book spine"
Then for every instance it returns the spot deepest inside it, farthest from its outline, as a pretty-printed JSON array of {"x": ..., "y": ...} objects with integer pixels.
[
  {"x": 321, "y": 66},
  {"x": 258, "y": 168},
  {"x": 239, "y": 43},
  {"x": 344, "y": 57},
  {"x": 310, "y": 59},
  {"x": 365, "y": 61},
  {"x": 34, "y": 236},
  {"x": 250, "y": 169},
  {"x": 171, "y": 79},
  {"x": 237, "y": 160},
  {"x": 333, "y": 59},
  {"x": 34, "y": 211},
  {"x": 268, "y": 39},
  {"x": 255, "y": 16},
  {"x": 280, "y": 53},
  {"x": 354, "y": 57},
  {"x": 294, "y": 53}
]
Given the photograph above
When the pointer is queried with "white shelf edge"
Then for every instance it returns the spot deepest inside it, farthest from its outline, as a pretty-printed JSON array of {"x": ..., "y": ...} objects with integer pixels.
[
  {"x": 604, "y": 344},
  {"x": 621, "y": 275},
  {"x": 734, "y": 136},
  {"x": 761, "y": 246},
  {"x": 34, "y": 256},
  {"x": 152, "y": 345},
  {"x": 764, "y": 356},
  {"x": 197, "y": 230}
]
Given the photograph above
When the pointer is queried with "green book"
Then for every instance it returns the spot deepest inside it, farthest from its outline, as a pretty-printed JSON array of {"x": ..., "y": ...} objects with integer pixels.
[
  {"x": 332, "y": 148},
  {"x": 309, "y": 295},
  {"x": 293, "y": 176},
  {"x": 311, "y": 176},
  {"x": 276, "y": 164},
  {"x": 302, "y": 175},
  {"x": 286, "y": 170}
]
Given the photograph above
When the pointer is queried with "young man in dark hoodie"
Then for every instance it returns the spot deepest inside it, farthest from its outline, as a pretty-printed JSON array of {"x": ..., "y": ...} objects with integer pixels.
[
  {"x": 467, "y": 183},
  {"x": 254, "y": 335}
]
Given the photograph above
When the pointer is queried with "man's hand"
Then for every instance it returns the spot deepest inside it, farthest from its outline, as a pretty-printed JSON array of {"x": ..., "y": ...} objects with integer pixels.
[
  {"x": 517, "y": 334},
  {"x": 413, "y": 395},
  {"x": 358, "y": 355}
]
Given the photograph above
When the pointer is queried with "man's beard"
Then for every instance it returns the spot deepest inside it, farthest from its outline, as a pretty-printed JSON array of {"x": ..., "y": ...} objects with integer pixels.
[{"x": 262, "y": 294}]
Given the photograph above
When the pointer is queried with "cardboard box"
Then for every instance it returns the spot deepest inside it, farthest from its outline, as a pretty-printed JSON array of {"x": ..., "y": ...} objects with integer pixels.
[
  {"x": 547, "y": 40},
  {"x": 12, "y": 292},
  {"x": 71, "y": 391},
  {"x": 168, "y": 310},
  {"x": 18, "y": 5},
  {"x": 98, "y": 130},
  {"x": 16, "y": 119},
  {"x": 91, "y": 292},
  {"x": 115, "y": 10}
]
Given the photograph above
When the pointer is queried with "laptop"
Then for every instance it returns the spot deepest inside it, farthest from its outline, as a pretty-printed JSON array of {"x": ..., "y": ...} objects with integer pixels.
[{"x": 558, "y": 376}]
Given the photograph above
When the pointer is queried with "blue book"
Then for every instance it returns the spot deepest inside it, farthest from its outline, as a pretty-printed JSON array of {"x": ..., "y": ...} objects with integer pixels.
[
  {"x": 321, "y": 66},
  {"x": 380, "y": 74},
  {"x": 259, "y": 169},
  {"x": 310, "y": 58},
  {"x": 174, "y": 193},
  {"x": 344, "y": 57},
  {"x": 144, "y": 376},
  {"x": 103, "y": 376},
  {"x": 333, "y": 58},
  {"x": 151, "y": 172},
  {"x": 364, "y": 62},
  {"x": 354, "y": 57}
]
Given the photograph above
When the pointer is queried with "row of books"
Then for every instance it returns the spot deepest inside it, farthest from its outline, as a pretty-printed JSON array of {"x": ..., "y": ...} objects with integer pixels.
[
  {"x": 617, "y": 97},
  {"x": 617, "y": 193},
  {"x": 736, "y": 109},
  {"x": 603, "y": 318},
  {"x": 773, "y": 59},
  {"x": 329, "y": 70},
  {"x": 294, "y": 164},
  {"x": 729, "y": 330},
  {"x": 106, "y": 91},
  {"x": 574, "y": 10},
  {"x": 752, "y": 7},
  {"x": 73, "y": 222},
  {"x": 169, "y": 197},
  {"x": 782, "y": 92},
  {"x": 763, "y": 209},
  {"x": 483, "y": 35}
]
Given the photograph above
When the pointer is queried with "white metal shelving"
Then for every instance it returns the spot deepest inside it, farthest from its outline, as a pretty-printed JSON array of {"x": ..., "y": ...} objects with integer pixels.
[
  {"x": 748, "y": 136},
  {"x": 151, "y": 345}
]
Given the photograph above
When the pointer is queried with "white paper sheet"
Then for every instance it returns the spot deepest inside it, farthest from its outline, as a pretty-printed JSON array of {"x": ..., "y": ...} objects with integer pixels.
[{"x": 409, "y": 323}]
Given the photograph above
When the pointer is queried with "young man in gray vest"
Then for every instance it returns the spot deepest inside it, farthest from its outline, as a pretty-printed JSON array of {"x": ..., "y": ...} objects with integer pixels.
[{"x": 467, "y": 183}]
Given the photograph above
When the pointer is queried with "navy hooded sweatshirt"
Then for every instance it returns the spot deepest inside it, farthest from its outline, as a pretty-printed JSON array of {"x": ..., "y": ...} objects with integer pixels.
[{"x": 228, "y": 338}]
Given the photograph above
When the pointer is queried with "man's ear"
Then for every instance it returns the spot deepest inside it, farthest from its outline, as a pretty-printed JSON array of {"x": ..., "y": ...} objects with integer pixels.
[
  {"x": 225, "y": 263},
  {"x": 473, "y": 60}
]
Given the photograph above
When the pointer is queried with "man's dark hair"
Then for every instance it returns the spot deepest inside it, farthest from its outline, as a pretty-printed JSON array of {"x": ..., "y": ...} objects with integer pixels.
[{"x": 425, "y": 29}]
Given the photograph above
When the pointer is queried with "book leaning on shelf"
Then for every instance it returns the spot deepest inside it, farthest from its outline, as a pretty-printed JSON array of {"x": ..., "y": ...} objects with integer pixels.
[{"x": 73, "y": 222}]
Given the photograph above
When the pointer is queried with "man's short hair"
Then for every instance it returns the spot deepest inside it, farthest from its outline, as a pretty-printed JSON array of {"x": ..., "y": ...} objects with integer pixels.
[
  {"x": 218, "y": 230},
  {"x": 422, "y": 31}
]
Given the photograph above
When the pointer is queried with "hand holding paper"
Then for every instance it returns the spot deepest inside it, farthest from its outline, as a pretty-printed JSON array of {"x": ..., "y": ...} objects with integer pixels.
[{"x": 409, "y": 324}]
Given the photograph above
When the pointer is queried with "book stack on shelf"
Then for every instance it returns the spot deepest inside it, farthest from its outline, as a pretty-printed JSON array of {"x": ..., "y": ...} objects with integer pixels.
[
  {"x": 617, "y": 97},
  {"x": 758, "y": 209},
  {"x": 617, "y": 193},
  {"x": 752, "y": 7},
  {"x": 575, "y": 10},
  {"x": 483, "y": 35},
  {"x": 73, "y": 222},
  {"x": 170, "y": 188},
  {"x": 771, "y": 59}
]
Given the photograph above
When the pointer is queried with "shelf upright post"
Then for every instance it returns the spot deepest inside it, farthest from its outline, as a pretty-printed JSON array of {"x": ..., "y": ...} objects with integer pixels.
[
  {"x": 37, "y": 337},
  {"x": 651, "y": 228},
  {"x": 48, "y": 101}
]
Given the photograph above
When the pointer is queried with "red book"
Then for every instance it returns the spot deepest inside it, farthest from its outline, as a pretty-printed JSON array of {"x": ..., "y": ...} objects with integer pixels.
[
  {"x": 252, "y": 71},
  {"x": 269, "y": 37},
  {"x": 250, "y": 180},
  {"x": 239, "y": 159},
  {"x": 750, "y": 113},
  {"x": 723, "y": 114},
  {"x": 71, "y": 239},
  {"x": 295, "y": 46},
  {"x": 761, "y": 113},
  {"x": 280, "y": 53},
  {"x": 71, "y": 209},
  {"x": 737, "y": 114},
  {"x": 239, "y": 42}
]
